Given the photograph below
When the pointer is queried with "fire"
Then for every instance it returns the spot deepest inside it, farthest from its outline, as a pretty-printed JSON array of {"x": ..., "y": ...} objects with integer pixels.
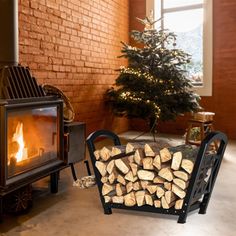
[{"x": 19, "y": 138}]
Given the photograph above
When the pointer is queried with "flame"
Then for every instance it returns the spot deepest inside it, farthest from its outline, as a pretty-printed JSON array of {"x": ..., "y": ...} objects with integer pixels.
[{"x": 19, "y": 138}]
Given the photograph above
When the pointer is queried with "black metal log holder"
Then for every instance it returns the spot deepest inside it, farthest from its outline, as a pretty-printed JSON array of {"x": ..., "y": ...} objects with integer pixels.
[{"x": 201, "y": 183}]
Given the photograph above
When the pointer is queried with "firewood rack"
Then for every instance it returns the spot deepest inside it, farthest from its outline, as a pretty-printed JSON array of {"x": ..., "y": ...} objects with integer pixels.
[{"x": 201, "y": 183}]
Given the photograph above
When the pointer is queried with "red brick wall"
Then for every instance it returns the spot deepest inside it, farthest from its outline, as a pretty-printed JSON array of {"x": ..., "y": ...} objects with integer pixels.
[
  {"x": 74, "y": 44},
  {"x": 223, "y": 100}
]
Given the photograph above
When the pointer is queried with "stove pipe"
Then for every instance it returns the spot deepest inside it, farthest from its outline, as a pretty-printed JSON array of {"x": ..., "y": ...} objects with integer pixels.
[{"x": 9, "y": 32}]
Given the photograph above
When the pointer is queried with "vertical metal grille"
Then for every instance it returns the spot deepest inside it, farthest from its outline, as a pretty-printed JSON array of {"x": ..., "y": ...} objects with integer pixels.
[{"x": 17, "y": 82}]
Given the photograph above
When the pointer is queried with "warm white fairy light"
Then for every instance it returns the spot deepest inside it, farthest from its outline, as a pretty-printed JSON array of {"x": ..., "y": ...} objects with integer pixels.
[{"x": 138, "y": 73}]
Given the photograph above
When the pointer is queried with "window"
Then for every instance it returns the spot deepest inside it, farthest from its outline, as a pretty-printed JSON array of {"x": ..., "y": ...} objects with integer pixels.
[{"x": 191, "y": 20}]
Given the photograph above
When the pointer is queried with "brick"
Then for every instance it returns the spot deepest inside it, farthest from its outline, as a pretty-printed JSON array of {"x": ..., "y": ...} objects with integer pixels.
[{"x": 74, "y": 45}]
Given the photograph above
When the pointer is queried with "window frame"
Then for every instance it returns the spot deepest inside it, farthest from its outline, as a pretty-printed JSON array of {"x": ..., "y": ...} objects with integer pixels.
[{"x": 206, "y": 88}]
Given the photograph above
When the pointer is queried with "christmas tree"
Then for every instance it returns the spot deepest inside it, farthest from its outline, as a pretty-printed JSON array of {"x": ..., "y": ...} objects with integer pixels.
[{"x": 155, "y": 85}]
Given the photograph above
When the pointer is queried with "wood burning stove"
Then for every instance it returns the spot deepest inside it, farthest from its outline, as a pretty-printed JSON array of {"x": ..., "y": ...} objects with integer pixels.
[
  {"x": 31, "y": 123},
  {"x": 32, "y": 135}
]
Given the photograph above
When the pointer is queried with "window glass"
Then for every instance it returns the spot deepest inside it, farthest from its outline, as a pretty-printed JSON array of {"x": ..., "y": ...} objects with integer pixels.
[
  {"x": 188, "y": 26},
  {"x": 180, "y": 3}
]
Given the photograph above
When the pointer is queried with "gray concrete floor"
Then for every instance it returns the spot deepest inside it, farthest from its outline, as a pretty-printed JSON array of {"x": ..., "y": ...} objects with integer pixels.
[{"x": 78, "y": 212}]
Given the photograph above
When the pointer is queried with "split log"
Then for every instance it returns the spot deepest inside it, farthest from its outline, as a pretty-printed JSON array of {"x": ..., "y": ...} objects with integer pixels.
[
  {"x": 160, "y": 192},
  {"x": 179, "y": 204},
  {"x": 187, "y": 165},
  {"x": 145, "y": 175},
  {"x": 148, "y": 200},
  {"x": 169, "y": 196},
  {"x": 148, "y": 151},
  {"x": 152, "y": 189},
  {"x": 167, "y": 186},
  {"x": 178, "y": 191},
  {"x": 138, "y": 157},
  {"x": 121, "y": 179},
  {"x": 144, "y": 184},
  {"x": 129, "y": 176},
  {"x": 176, "y": 161},
  {"x": 129, "y": 187},
  {"x": 115, "y": 151},
  {"x": 119, "y": 190},
  {"x": 110, "y": 166},
  {"x": 165, "y": 205},
  {"x": 121, "y": 166},
  {"x": 131, "y": 158},
  {"x": 97, "y": 154},
  {"x": 180, "y": 183},
  {"x": 140, "y": 198},
  {"x": 157, "y": 162},
  {"x": 119, "y": 200},
  {"x": 134, "y": 168},
  {"x": 181, "y": 175},
  {"x": 101, "y": 167},
  {"x": 129, "y": 148},
  {"x": 136, "y": 186},
  {"x": 106, "y": 188},
  {"x": 129, "y": 199},
  {"x": 165, "y": 155},
  {"x": 104, "y": 179},
  {"x": 158, "y": 180},
  {"x": 166, "y": 173},
  {"x": 148, "y": 163},
  {"x": 105, "y": 154},
  {"x": 157, "y": 203},
  {"x": 107, "y": 199},
  {"x": 112, "y": 178}
]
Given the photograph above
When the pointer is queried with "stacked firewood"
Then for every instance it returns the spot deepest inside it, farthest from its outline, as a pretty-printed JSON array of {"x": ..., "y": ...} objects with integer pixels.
[{"x": 149, "y": 176}]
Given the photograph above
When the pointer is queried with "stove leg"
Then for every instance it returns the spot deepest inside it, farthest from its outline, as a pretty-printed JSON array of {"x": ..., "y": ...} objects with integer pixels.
[
  {"x": 87, "y": 167},
  {"x": 73, "y": 171},
  {"x": 54, "y": 182},
  {"x": 1, "y": 209}
]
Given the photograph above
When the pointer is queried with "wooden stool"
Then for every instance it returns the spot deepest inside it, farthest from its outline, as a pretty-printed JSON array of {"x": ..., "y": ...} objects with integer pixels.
[
  {"x": 204, "y": 122},
  {"x": 205, "y": 127}
]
